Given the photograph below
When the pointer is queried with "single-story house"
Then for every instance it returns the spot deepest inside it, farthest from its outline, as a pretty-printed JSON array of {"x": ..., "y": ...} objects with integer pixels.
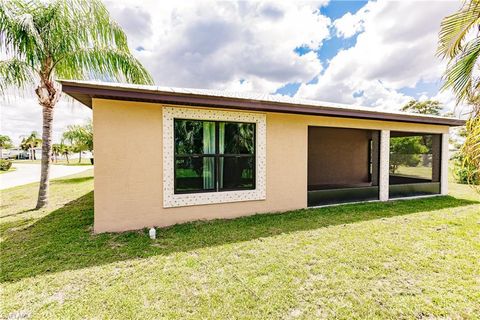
[{"x": 204, "y": 154}]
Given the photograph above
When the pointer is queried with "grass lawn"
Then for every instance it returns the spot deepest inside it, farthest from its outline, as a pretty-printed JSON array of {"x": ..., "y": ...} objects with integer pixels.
[
  {"x": 415, "y": 172},
  {"x": 403, "y": 259},
  {"x": 72, "y": 162}
]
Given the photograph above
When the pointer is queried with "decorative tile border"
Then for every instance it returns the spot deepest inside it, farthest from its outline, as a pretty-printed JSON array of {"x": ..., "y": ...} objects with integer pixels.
[{"x": 170, "y": 199}]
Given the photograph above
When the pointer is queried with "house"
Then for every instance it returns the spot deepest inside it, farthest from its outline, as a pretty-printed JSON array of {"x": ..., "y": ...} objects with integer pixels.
[{"x": 203, "y": 154}]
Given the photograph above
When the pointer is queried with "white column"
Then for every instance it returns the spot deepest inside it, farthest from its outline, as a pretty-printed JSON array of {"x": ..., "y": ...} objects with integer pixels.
[
  {"x": 444, "y": 166},
  {"x": 384, "y": 164}
]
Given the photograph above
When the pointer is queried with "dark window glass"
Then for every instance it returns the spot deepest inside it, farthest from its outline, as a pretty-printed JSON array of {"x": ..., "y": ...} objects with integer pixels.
[
  {"x": 194, "y": 173},
  {"x": 214, "y": 156},
  {"x": 239, "y": 138},
  {"x": 194, "y": 137},
  {"x": 236, "y": 172}
]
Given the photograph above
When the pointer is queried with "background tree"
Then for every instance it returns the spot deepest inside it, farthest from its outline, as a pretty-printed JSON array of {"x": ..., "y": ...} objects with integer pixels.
[
  {"x": 31, "y": 142},
  {"x": 80, "y": 138},
  {"x": 432, "y": 107},
  {"x": 65, "y": 151},
  {"x": 5, "y": 143},
  {"x": 56, "y": 151},
  {"x": 70, "y": 39},
  {"x": 459, "y": 44},
  {"x": 406, "y": 151}
]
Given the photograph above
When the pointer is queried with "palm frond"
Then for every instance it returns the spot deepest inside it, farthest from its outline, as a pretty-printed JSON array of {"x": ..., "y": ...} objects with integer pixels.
[
  {"x": 103, "y": 63},
  {"x": 460, "y": 72},
  {"x": 455, "y": 27},
  {"x": 15, "y": 72},
  {"x": 471, "y": 150},
  {"x": 74, "y": 39},
  {"x": 19, "y": 36},
  {"x": 70, "y": 25}
]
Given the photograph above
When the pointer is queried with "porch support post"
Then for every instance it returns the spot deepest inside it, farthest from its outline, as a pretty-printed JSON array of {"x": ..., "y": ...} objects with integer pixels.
[
  {"x": 444, "y": 165},
  {"x": 384, "y": 164}
]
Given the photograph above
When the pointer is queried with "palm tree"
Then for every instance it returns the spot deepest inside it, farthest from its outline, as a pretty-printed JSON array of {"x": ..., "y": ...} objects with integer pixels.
[
  {"x": 459, "y": 43},
  {"x": 80, "y": 137},
  {"x": 56, "y": 151},
  {"x": 65, "y": 150},
  {"x": 71, "y": 39},
  {"x": 30, "y": 143},
  {"x": 461, "y": 51}
]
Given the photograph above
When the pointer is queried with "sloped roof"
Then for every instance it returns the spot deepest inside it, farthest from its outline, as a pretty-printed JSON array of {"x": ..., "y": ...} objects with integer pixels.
[{"x": 85, "y": 91}]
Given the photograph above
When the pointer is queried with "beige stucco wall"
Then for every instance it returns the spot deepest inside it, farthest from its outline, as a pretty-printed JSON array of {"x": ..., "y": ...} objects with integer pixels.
[{"x": 128, "y": 166}]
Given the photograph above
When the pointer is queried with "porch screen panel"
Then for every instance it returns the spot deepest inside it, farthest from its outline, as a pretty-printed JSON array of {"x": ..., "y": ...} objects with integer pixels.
[{"x": 414, "y": 164}]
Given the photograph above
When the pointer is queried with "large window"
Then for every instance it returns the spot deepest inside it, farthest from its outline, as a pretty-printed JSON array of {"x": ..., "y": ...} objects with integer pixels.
[{"x": 213, "y": 156}]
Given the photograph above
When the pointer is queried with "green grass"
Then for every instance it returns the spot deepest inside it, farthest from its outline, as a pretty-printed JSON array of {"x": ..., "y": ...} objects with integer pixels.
[
  {"x": 403, "y": 259},
  {"x": 72, "y": 162},
  {"x": 415, "y": 172}
]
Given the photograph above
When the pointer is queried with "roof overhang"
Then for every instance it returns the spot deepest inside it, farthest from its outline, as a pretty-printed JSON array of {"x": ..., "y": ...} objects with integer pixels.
[{"x": 84, "y": 92}]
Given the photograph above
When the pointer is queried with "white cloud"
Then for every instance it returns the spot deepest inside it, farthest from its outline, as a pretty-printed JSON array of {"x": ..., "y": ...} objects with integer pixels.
[
  {"x": 395, "y": 50},
  {"x": 22, "y": 115},
  {"x": 349, "y": 25},
  {"x": 244, "y": 46},
  {"x": 218, "y": 44}
]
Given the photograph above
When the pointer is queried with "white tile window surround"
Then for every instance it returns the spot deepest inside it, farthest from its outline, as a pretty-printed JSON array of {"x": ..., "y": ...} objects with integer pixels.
[{"x": 170, "y": 199}]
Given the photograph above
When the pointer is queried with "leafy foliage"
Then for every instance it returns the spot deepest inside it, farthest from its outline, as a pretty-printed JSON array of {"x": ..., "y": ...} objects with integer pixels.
[
  {"x": 5, "y": 164},
  {"x": 406, "y": 151},
  {"x": 471, "y": 151},
  {"x": 80, "y": 138},
  {"x": 70, "y": 39},
  {"x": 432, "y": 107},
  {"x": 462, "y": 52},
  {"x": 5, "y": 142},
  {"x": 465, "y": 173},
  {"x": 31, "y": 142}
]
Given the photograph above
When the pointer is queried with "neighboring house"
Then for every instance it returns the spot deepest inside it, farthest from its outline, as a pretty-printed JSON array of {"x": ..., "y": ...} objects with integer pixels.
[
  {"x": 204, "y": 154},
  {"x": 15, "y": 153}
]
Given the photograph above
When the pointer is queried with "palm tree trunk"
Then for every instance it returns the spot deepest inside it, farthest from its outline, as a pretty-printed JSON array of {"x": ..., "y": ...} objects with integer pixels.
[
  {"x": 46, "y": 157},
  {"x": 48, "y": 96}
]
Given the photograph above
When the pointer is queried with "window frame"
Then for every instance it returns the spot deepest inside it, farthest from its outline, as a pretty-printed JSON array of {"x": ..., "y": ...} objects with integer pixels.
[{"x": 216, "y": 156}]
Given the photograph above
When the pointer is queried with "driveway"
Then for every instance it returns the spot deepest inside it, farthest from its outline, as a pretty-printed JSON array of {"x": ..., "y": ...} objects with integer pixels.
[{"x": 28, "y": 173}]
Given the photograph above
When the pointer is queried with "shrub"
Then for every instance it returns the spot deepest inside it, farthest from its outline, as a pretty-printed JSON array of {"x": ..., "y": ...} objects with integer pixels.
[
  {"x": 5, "y": 165},
  {"x": 465, "y": 173}
]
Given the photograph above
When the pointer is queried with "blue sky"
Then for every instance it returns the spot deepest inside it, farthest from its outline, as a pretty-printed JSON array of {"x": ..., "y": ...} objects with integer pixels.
[
  {"x": 379, "y": 54},
  {"x": 333, "y": 10}
]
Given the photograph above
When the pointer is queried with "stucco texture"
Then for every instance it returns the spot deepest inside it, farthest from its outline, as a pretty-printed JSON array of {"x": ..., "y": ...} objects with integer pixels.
[{"x": 129, "y": 172}]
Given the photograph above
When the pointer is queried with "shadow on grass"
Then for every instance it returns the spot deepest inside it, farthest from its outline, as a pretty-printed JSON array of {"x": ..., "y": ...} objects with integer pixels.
[
  {"x": 73, "y": 180},
  {"x": 63, "y": 240}
]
